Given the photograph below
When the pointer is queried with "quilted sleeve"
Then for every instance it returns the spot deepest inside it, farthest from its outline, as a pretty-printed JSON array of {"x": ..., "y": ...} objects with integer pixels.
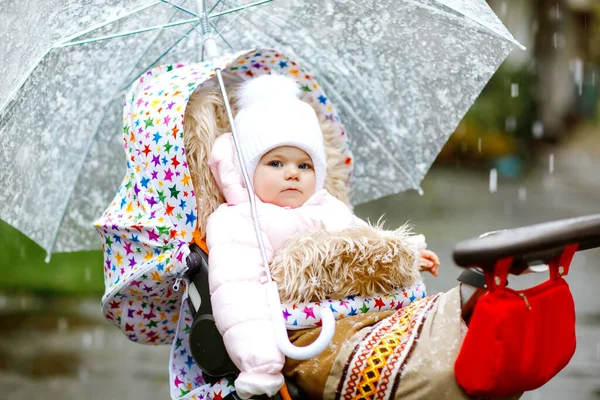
[{"x": 239, "y": 301}]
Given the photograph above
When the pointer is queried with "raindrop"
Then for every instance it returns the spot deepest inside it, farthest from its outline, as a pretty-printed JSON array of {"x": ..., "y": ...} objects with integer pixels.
[
  {"x": 551, "y": 163},
  {"x": 578, "y": 74},
  {"x": 514, "y": 90},
  {"x": 503, "y": 8},
  {"x": 522, "y": 193},
  {"x": 510, "y": 124},
  {"x": 558, "y": 14},
  {"x": 86, "y": 340},
  {"x": 3, "y": 302},
  {"x": 420, "y": 191},
  {"x": 493, "y": 180},
  {"x": 558, "y": 40},
  {"x": 594, "y": 78},
  {"x": 537, "y": 129},
  {"x": 63, "y": 325},
  {"x": 88, "y": 274},
  {"x": 479, "y": 144},
  {"x": 47, "y": 259}
]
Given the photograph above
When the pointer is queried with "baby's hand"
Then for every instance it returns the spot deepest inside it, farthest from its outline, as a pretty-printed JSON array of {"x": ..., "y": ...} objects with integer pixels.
[{"x": 429, "y": 261}]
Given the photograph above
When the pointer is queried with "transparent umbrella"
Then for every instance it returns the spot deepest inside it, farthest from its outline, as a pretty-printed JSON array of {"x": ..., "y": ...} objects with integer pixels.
[{"x": 401, "y": 73}]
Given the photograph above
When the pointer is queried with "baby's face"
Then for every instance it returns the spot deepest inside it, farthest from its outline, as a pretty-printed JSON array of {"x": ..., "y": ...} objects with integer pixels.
[{"x": 285, "y": 177}]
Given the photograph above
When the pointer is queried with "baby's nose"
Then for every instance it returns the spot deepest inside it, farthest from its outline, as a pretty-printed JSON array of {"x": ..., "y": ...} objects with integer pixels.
[{"x": 292, "y": 173}]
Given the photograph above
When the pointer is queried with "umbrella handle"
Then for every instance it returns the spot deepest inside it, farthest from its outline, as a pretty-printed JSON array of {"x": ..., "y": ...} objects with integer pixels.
[{"x": 281, "y": 337}]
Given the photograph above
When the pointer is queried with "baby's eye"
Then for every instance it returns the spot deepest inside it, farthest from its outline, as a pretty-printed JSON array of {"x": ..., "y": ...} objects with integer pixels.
[
  {"x": 276, "y": 164},
  {"x": 305, "y": 166}
]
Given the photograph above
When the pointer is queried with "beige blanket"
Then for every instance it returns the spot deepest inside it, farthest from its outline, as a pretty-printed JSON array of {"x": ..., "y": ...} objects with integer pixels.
[{"x": 406, "y": 354}]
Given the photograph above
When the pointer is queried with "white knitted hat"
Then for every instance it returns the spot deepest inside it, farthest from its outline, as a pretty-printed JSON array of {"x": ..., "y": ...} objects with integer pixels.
[{"x": 271, "y": 115}]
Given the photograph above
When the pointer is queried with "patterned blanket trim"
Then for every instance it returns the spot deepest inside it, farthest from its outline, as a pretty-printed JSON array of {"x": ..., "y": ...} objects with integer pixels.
[
  {"x": 375, "y": 365},
  {"x": 307, "y": 315}
]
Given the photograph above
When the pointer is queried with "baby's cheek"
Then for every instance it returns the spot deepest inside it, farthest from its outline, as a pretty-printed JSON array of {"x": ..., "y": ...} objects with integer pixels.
[{"x": 263, "y": 186}]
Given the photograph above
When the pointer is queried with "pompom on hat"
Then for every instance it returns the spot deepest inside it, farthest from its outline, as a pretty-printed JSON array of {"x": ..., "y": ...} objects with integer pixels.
[{"x": 271, "y": 115}]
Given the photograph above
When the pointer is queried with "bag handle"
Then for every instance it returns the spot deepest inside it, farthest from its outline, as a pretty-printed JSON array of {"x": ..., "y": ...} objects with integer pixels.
[
  {"x": 558, "y": 266},
  {"x": 497, "y": 278}
]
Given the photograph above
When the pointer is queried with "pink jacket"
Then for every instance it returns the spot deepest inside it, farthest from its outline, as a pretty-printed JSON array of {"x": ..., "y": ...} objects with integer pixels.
[{"x": 236, "y": 269}]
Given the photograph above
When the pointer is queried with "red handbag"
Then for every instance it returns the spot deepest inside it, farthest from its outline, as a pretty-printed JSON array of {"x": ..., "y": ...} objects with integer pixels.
[{"x": 518, "y": 340}]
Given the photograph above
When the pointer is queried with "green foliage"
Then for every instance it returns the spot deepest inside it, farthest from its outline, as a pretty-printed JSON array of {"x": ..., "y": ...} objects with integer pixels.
[
  {"x": 497, "y": 130},
  {"x": 496, "y": 105},
  {"x": 23, "y": 269}
]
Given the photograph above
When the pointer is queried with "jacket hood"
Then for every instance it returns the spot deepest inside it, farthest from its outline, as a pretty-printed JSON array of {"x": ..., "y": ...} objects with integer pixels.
[{"x": 225, "y": 167}]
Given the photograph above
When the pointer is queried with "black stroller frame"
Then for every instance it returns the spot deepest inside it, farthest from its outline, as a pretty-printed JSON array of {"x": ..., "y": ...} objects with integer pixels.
[
  {"x": 206, "y": 343},
  {"x": 528, "y": 246}
]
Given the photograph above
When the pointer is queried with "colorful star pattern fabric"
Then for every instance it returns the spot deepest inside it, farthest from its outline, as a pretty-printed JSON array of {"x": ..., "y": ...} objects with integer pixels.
[
  {"x": 147, "y": 228},
  {"x": 308, "y": 315},
  {"x": 185, "y": 376}
]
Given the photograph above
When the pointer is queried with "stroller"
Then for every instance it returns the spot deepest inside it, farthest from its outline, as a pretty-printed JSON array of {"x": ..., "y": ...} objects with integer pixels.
[
  {"x": 527, "y": 246},
  {"x": 156, "y": 279}
]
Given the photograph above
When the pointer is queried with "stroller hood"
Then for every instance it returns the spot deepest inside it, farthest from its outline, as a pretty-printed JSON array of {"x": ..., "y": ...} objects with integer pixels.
[{"x": 150, "y": 222}]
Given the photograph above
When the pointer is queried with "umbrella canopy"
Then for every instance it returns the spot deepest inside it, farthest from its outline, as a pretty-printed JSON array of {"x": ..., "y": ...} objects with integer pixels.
[{"x": 401, "y": 73}]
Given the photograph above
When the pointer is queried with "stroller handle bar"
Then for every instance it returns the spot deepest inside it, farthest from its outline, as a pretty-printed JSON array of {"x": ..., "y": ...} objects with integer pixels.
[
  {"x": 281, "y": 337},
  {"x": 529, "y": 245}
]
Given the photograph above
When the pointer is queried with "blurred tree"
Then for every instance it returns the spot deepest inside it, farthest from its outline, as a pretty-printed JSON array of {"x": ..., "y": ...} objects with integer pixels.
[
  {"x": 497, "y": 128},
  {"x": 594, "y": 37},
  {"x": 556, "y": 45},
  {"x": 537, "y": 94},
  {"x": 587, "y": 16}
]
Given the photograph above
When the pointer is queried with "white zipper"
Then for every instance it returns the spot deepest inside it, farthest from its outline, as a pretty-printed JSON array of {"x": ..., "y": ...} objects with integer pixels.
[{"x": 177, "y": 283}]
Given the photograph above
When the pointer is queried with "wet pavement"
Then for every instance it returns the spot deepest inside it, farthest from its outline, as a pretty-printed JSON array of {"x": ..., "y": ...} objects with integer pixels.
[{"x": 63, "y": 349}]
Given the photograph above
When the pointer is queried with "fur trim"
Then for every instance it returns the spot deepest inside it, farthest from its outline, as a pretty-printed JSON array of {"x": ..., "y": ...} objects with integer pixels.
[
  {"x": 359, "y": 261},
  {"x": 205, "y": 119}
]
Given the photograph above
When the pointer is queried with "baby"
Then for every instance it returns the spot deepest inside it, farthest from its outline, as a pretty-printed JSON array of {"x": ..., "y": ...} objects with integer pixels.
[{"x": 283, "y": 151}]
